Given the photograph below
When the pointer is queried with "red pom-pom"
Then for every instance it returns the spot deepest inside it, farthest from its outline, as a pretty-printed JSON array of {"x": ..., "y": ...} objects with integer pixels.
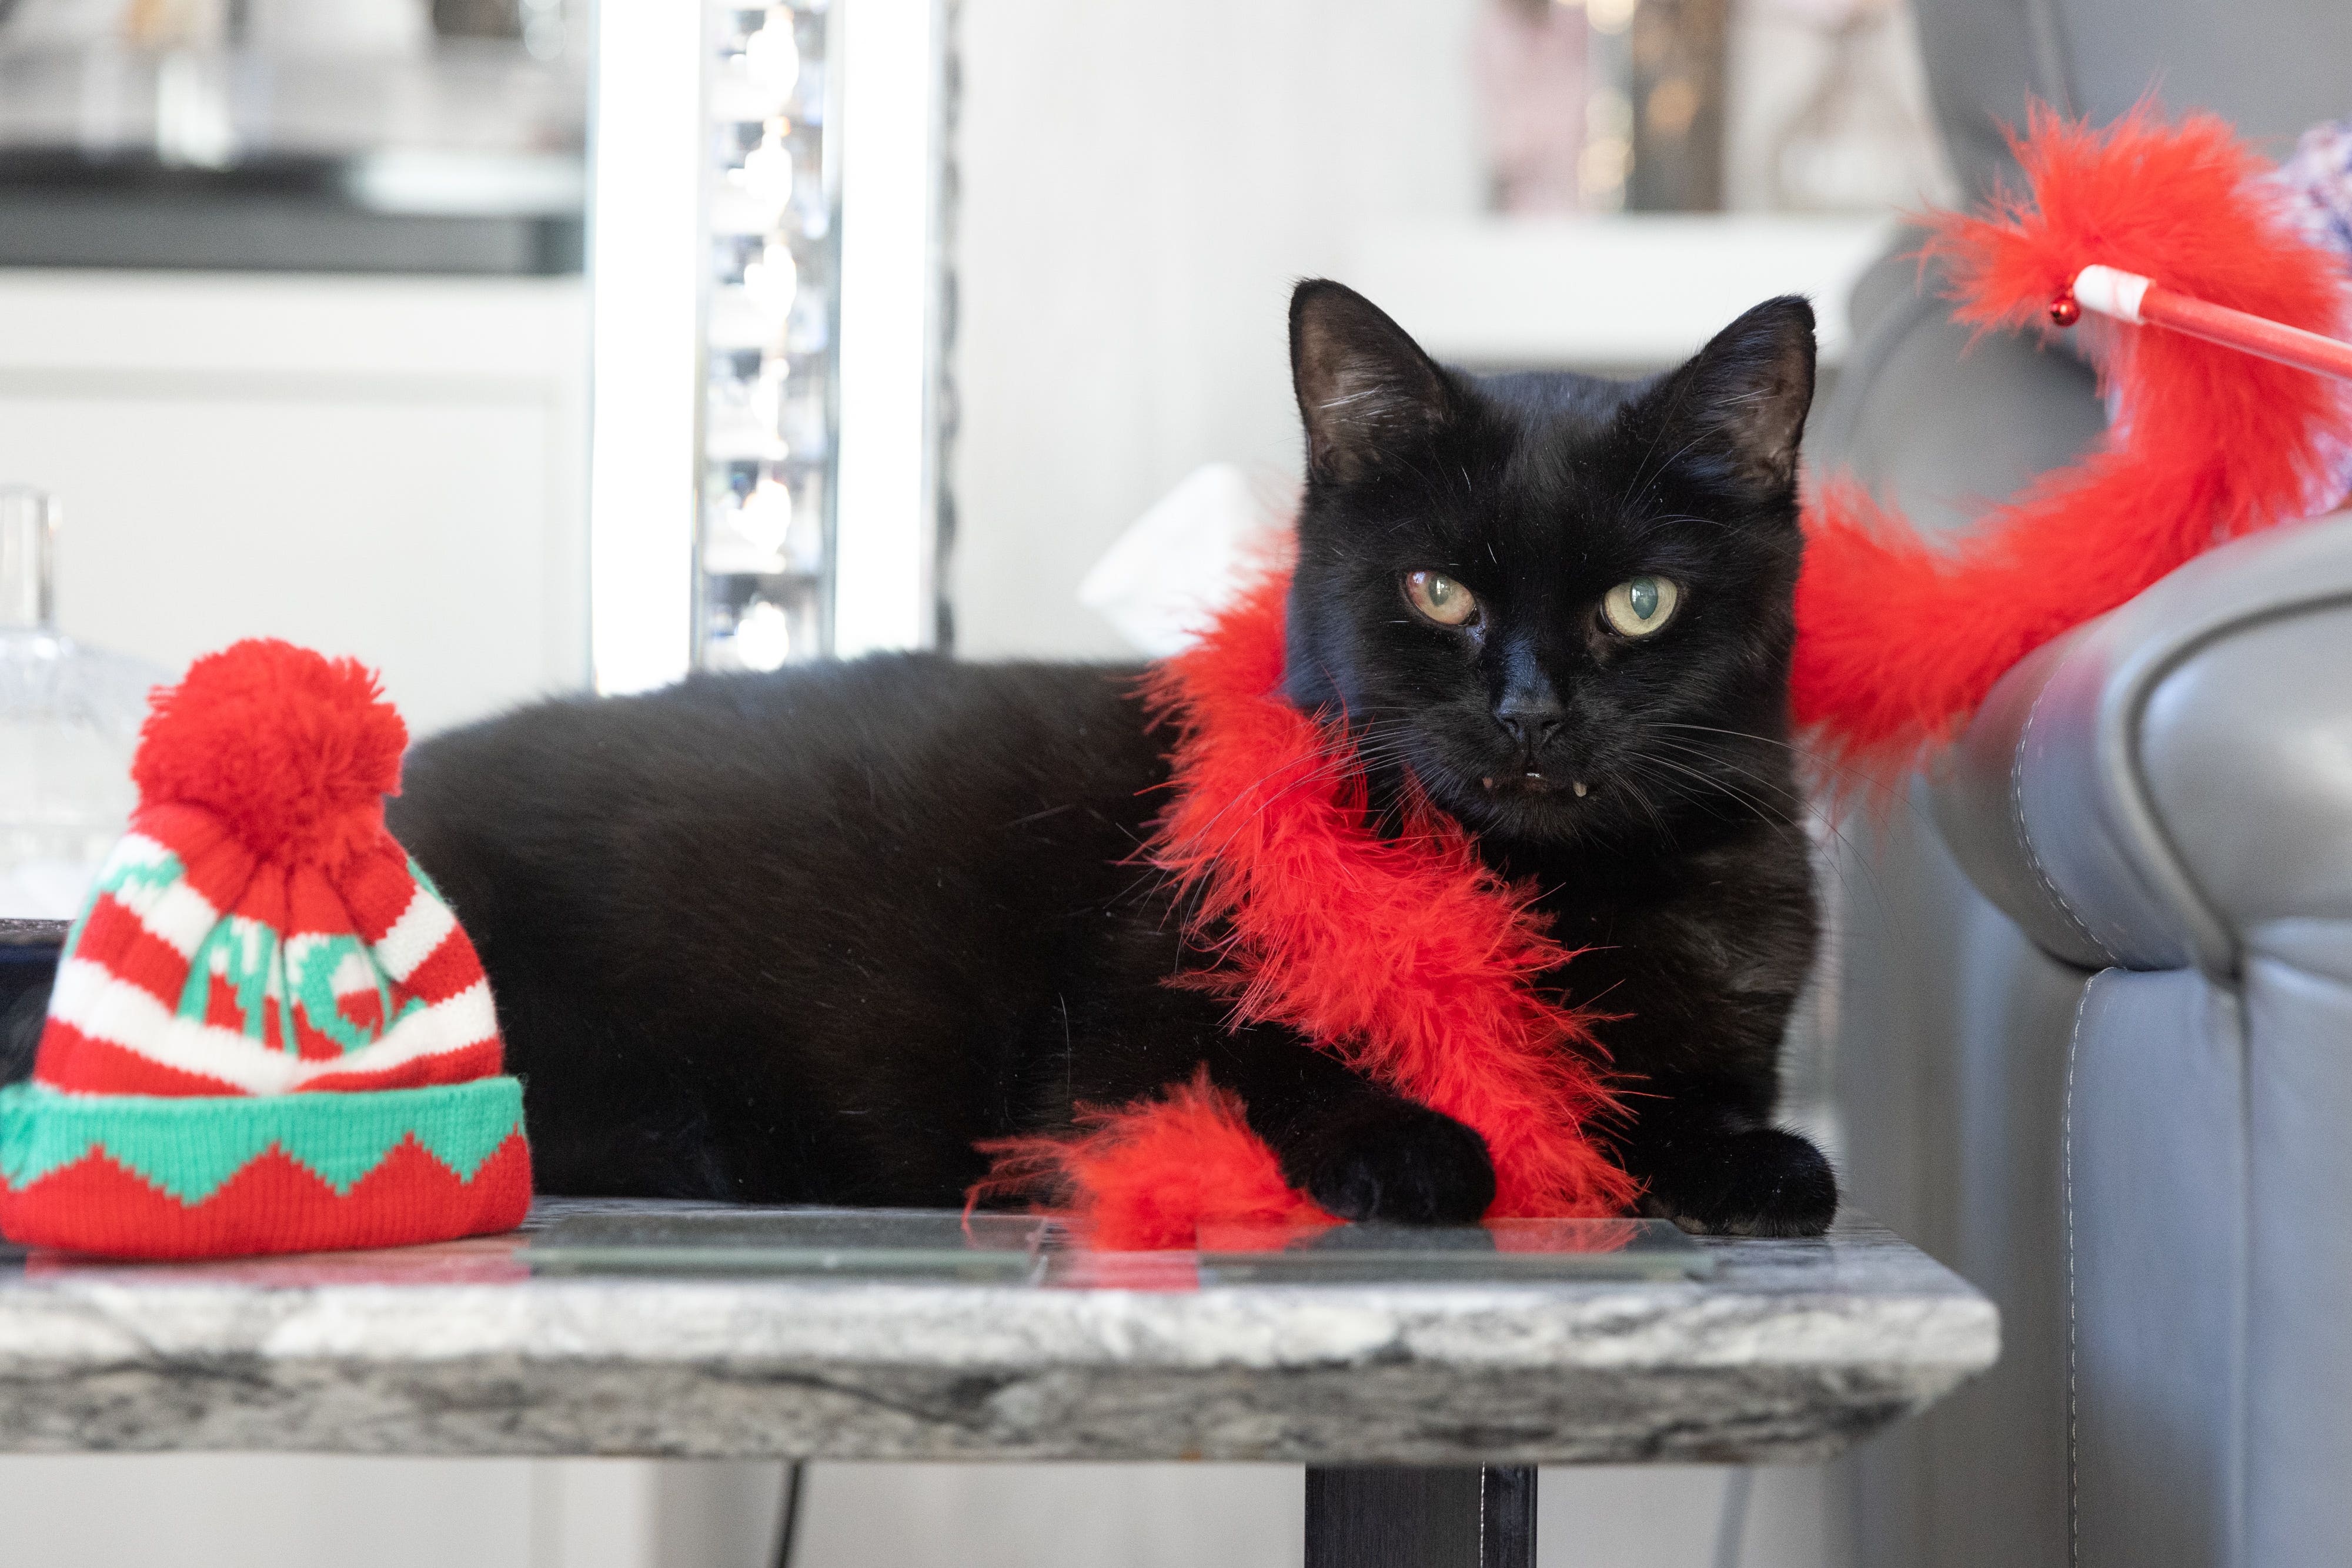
[{"x": 294, "y": 751}]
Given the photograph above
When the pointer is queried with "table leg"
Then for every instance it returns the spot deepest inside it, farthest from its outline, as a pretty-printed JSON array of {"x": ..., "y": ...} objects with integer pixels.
[{"x": 1403, "y": 1517}]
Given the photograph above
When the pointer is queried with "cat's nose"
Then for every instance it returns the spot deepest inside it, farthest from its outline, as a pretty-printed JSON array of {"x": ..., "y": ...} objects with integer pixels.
[{"x": 1530, "y": 718}]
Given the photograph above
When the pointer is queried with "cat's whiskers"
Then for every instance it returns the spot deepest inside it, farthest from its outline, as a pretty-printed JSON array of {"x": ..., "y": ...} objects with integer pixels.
[
  {"x": 1632, "y": 787},
  {"x": 1799, "y": 809},
  {"x": 1826, "y": 818},
  {"x": 1855, "y": 858},
  {"x": 1813, "y": 759},
  {"x": 1704, "y": 755},
  {"x": 1762, "y": 809}
]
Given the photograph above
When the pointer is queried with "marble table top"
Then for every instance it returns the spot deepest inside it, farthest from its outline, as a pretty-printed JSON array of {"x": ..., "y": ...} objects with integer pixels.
[{"x": 1788, "y": 1351}]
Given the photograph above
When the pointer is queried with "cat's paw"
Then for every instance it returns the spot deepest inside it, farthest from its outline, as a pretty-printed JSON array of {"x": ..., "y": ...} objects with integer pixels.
[
  {"x": 1760, "y": 1182},
  {"x": 1392, "y": 1160}
]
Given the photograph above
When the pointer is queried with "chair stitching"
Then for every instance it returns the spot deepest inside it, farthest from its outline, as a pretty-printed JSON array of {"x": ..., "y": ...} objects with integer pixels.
[
  {"x": 2025, "y": 839},
  {"x": 2066, "y": 1146}
]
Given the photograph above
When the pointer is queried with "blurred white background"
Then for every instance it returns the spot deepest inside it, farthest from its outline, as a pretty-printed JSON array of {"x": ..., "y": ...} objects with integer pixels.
[{"x": 1142, "y": 186}]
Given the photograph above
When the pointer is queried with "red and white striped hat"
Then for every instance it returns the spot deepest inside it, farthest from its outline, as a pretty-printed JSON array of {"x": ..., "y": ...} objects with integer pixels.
[{"x": 268, "y": 1033}]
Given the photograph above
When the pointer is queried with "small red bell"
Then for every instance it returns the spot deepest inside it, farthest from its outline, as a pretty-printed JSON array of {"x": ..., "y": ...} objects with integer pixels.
[{"x": 2065, "y": 311}]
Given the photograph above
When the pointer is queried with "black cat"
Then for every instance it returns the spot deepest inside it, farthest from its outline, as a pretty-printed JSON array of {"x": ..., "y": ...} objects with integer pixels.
[{"x": 809, "y": 936}]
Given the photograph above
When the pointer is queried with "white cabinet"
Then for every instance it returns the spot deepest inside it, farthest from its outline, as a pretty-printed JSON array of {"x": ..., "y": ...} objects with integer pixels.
[{"x": 388, "y": 468}]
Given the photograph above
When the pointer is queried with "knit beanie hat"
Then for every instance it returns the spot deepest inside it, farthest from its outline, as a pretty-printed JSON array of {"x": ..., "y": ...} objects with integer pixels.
[{"x": 268, "y": 1033}]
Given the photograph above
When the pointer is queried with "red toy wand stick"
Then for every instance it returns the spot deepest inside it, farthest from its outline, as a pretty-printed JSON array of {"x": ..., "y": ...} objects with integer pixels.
[{"x": 2128, "y": 297}]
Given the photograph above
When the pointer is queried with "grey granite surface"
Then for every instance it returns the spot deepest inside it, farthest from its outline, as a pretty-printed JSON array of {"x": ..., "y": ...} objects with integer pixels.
[{"x": 1791, "y": 1351}]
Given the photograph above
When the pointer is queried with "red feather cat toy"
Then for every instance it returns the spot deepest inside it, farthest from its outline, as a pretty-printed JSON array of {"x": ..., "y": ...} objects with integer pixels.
[{"x": 1898, "y": 640}]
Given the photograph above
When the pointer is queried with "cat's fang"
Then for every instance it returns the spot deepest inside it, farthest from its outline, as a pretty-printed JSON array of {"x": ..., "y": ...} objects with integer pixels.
[{"x": 1579, "y": 788}]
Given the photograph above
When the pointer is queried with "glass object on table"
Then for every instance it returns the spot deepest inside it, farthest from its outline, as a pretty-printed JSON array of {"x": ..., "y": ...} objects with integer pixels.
[
  {"x": 1498, "y": 1251},
  {"x": 846, "y": 1243},
  {"x": 69, "y": 719}
]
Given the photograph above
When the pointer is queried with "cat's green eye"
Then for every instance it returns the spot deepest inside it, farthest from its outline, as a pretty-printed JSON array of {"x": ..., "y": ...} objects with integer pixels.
[
  {"x": 1439, "y": 598},
  {"x": 1639, "y": 605}
]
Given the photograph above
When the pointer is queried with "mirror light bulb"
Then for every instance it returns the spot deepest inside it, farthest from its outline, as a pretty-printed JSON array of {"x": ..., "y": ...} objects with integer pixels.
[
  {"x": 770, "y": 56},
  {"x": 772, "y": 280},
  {"x": 766, "y": 516},
  {"x": 768, "y": 168},
  {"x": 763, "y": 636}
]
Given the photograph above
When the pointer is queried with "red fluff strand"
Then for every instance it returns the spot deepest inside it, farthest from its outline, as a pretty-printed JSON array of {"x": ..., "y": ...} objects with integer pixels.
[
  {"x": 1898, "y": 642},
  {"x": 1406, "y": 957},
  {"x": 1143, "y": 1177}
]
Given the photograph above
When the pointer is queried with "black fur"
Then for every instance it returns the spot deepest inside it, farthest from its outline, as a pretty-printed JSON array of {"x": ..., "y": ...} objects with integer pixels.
[{"x": 810, "y": 936}]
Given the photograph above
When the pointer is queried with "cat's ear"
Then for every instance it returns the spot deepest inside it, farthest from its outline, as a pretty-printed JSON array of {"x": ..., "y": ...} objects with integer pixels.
[
  {"x": 1744, "y": 397},
  {"x": 1364, "y": 386}
]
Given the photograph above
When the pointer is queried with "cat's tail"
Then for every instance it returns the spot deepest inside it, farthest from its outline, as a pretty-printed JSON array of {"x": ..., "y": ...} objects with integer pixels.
[{"x": 1899, "y": 641}]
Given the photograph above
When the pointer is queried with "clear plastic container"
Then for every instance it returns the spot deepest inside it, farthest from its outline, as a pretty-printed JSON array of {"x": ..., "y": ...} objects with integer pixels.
[{"x": 69, "y": 719}]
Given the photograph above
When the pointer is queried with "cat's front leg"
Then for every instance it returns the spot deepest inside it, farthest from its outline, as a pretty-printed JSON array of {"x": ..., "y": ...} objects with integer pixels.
[
  {"x": 1712, "y": 1168},
  {"x": 1380, "y": 1157},
  {"x": 1361, "y": 1151}
]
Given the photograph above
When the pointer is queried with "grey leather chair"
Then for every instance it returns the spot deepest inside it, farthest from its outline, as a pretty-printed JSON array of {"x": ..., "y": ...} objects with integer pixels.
[{"x": 2090, "y": 1010}]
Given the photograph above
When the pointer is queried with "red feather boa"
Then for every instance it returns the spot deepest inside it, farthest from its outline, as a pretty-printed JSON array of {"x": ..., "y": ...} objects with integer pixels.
[
  {"x": 1406, "y": 957},
  {"x": 1898, "y": 642}
]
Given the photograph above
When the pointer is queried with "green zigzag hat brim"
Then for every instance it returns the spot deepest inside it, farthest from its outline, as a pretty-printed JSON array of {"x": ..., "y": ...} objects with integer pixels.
[{"x": 188, "y": 1148}]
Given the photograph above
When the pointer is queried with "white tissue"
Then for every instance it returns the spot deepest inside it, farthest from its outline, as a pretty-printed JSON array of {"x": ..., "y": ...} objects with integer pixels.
[{"x": 1179, "y": 563}]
